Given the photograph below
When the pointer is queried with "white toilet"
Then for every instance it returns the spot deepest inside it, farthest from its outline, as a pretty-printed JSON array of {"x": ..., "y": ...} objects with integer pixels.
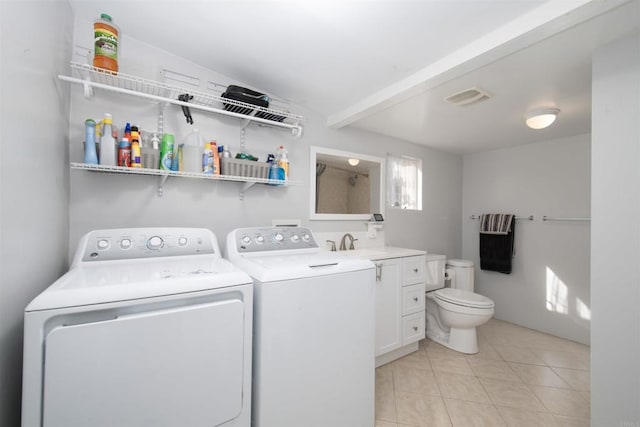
[{"x": 453, "y": 313}]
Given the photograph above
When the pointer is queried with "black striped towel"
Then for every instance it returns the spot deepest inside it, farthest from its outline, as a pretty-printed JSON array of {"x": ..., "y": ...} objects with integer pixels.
[{"x": 495, "y": 223}]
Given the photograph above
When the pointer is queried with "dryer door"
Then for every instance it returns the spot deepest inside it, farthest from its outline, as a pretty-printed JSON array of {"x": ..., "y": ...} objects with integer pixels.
[{"x": 174, "y": 367}]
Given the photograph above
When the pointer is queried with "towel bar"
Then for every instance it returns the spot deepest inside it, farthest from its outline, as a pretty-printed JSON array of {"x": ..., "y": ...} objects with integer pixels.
[
  {"x": 552, "y": 218},
  {"x": 528, "y": 218}
]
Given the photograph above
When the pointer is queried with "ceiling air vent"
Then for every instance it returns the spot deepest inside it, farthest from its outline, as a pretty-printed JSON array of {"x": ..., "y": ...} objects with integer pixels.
[{"x": 468, "y": 96}]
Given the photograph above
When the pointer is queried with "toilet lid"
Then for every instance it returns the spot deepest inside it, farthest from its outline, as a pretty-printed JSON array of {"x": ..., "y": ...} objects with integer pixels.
[
  {"x": 459, "y": 263},
  {"x": 466, "y": 298}
]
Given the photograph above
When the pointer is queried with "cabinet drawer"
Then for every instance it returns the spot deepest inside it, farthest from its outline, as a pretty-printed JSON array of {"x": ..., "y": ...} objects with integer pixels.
[
  {"x": 413, "y": 298},
  {"x": 413, "y": 269},
  {"x": 412, "y": 328}
]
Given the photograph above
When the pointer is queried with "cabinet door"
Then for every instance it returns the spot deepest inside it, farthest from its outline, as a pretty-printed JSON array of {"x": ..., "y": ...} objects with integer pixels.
[{"x": 388, "y": 305}]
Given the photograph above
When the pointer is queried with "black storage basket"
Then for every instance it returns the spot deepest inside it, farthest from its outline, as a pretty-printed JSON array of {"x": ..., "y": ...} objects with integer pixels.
[{"x": 248, "y": 96}]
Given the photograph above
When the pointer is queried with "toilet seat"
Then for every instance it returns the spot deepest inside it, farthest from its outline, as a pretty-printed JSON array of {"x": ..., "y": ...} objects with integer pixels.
[{"x": 463, "y": 298}]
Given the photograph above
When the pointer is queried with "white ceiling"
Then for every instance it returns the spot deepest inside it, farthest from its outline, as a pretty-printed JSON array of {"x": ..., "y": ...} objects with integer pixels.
[{"x": 385, "y": 65}]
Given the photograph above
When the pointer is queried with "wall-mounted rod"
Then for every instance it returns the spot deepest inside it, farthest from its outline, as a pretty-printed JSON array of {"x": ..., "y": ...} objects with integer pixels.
[
  {"x": 557, "y": 218},
  {"x": 528, "y": 218}
]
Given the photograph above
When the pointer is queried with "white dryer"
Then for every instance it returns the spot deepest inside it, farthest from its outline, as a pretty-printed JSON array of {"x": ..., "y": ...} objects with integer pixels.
[
  {"x": 314, "y": 337},
  {"x": 150, "y": 327}
]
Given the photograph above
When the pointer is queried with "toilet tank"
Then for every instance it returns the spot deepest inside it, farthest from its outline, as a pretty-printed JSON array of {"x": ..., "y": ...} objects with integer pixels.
[
  {"x": 435, "y": 271},
  {"x": 462, "y": 277}
]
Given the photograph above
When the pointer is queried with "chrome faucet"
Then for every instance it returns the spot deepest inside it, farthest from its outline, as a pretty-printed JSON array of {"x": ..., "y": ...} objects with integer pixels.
[{"x": 343, "y": 246}]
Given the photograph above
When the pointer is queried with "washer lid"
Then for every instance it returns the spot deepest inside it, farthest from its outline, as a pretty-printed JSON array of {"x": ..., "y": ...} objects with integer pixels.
[
  {"x": 461, "y": 297},
  {"x": 459, "y": 263},
  {"x": 277, "y": 267},
  {"x": 111, "y": 281}
]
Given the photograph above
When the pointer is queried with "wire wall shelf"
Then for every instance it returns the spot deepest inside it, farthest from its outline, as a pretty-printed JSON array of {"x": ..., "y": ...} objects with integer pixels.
[
  {"x": 248, "y": 182},
  {"x": 91, "y": 77}
]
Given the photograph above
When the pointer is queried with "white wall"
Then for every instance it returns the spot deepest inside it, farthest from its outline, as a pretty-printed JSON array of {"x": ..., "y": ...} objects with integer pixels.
[
  {"x": 615, "y": 250},
  {"x": 548, "y": 289},
  {"x": 103, "y": 200},
  {"x": 34, "y": 193}
]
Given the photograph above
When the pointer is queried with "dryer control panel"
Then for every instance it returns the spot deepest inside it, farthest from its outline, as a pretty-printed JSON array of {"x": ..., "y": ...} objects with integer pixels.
[
  {"x": 135, "y": 243},
  {"x": 263, "y": 239}
]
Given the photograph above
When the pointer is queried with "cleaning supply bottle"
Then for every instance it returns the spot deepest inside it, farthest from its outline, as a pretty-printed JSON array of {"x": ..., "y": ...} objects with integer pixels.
[
  {"x": 166, "y": 152},
  {"x": 127, "y": 131},
  {"x": 192, "y": 152},
  {"x": 124, "y": 153},
  {"x": 216, "y": 157},
  {"x": 107, "y": 142},
  {"x": 180, "y": 165},
  {"x": 207, "y": 159},
  {"x": 151, "y": 153},
  {"x": 90, "y": 153},
  {"x": 275, "y": 171},
  {"x": 283, "y": 162},
  {"x": 105, "y": 36},
  {"x": 136, "y": 160}
]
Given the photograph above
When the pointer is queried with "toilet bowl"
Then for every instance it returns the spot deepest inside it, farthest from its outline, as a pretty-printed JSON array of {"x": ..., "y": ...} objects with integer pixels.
[{"x": 454, "y": 313}]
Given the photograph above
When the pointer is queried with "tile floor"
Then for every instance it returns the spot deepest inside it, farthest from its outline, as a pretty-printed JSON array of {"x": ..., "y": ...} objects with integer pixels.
[{"x": 519, "y": 377}]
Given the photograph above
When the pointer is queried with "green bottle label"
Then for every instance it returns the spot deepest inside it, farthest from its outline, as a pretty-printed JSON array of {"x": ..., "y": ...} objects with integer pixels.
[{"x": 106, "y": 43}]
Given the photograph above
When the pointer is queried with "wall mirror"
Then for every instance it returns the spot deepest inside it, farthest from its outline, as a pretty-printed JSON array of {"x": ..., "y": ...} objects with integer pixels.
[{"x": 345, "y": 186}]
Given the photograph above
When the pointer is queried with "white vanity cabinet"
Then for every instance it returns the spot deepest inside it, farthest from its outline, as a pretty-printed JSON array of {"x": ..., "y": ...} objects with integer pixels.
[
  {"x": 388, "y": 305},
  {"x": 400, "y": 306}
]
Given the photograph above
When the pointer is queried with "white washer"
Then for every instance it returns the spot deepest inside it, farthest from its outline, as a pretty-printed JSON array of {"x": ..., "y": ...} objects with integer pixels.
[
  {"x": 314, "y": 337},
  {"x": 150, "y": 327}
]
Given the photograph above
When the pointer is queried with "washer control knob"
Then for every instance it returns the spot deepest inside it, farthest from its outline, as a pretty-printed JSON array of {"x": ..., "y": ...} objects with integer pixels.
[
  {"x": 259, "y": 239},
  {"x": 278, "y": 238},
  {"x": 125, "y": 243},
  {"x": 306, "y": 237},
  {"x": 155, "y": 242},
  {"x": 295, "y": 238},
  {"x": 182, "y": 241},
  {"x": 103, "y": 244},
  {"x": 246, "y": 240}
]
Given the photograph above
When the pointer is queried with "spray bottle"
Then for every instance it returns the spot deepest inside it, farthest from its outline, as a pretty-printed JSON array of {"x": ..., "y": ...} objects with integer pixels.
[
  {"x": 275, "y": 171},
  {"x": 151, "y": 153},
  {"x": 283, "y": 162}
]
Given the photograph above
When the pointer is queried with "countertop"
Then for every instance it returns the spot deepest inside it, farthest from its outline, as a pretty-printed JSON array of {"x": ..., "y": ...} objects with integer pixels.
[{"x": 383, "y": 252}]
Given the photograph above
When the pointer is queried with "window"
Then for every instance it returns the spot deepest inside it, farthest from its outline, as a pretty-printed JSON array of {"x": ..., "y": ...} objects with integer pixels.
[{"x": 404, "y": 183}]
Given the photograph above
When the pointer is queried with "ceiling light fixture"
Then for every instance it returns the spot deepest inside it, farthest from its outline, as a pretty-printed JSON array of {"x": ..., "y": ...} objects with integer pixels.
[
  {"x": 354, "y": 162},
  {"x": 542, "y": 118}
]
